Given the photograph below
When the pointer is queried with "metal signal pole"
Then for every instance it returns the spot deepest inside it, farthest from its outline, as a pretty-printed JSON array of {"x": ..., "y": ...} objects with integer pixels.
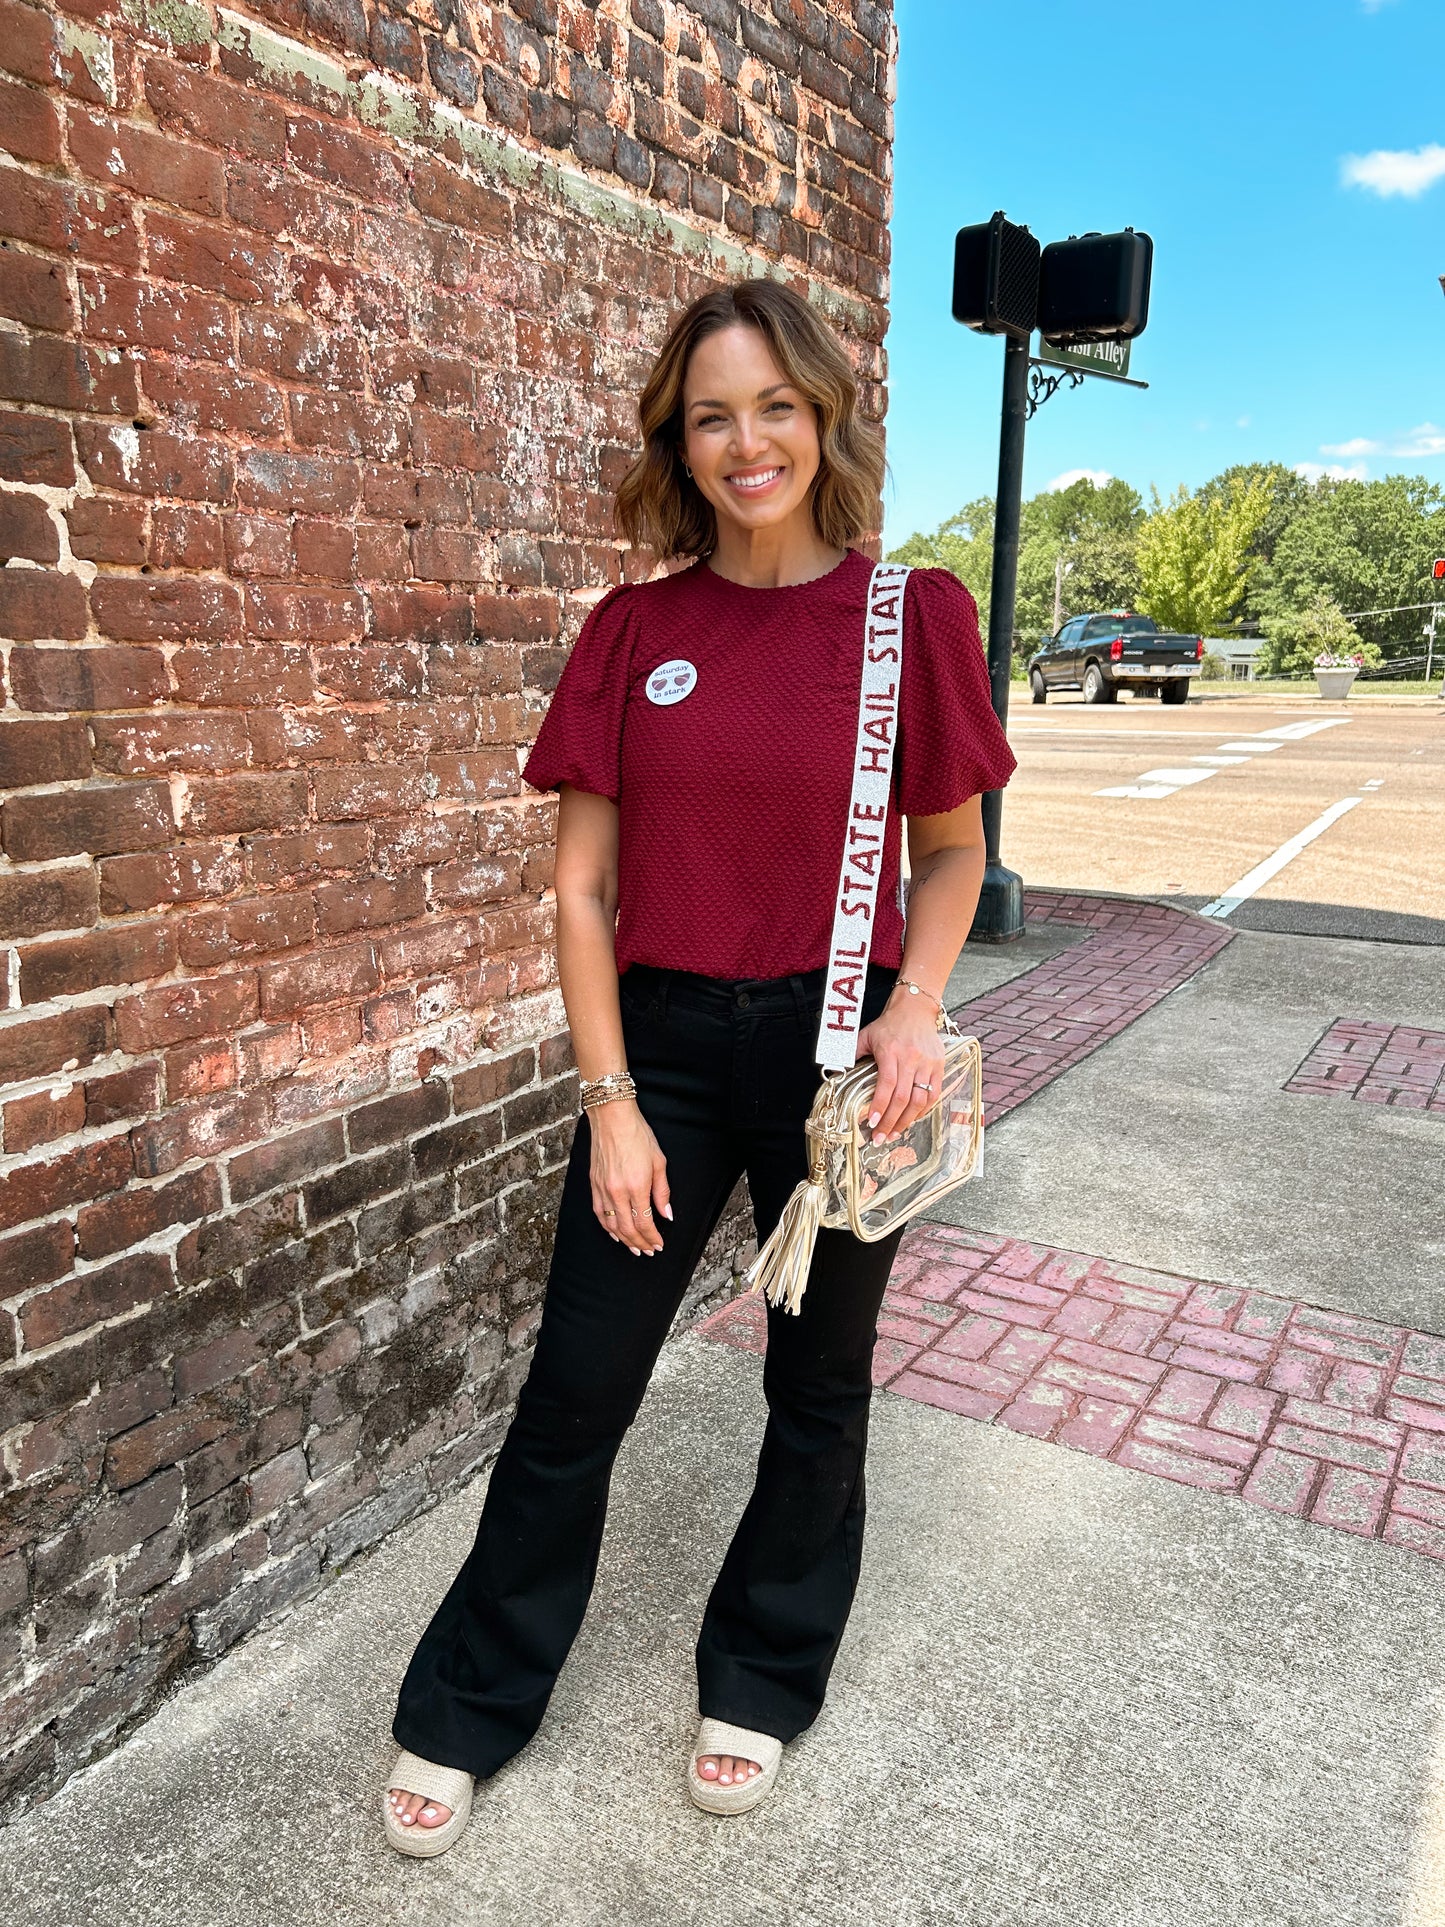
[{"x": 1000, "y": 914}]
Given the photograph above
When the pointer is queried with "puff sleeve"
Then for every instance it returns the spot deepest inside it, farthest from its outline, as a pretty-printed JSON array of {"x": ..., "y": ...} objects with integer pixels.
[
  {"x": 950, "y": 743},
  {"x": 580, "y": 741}
]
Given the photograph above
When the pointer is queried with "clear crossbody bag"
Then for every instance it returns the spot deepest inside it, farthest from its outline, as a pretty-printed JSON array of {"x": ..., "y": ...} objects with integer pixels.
[{"x": 854, "y": 1184}]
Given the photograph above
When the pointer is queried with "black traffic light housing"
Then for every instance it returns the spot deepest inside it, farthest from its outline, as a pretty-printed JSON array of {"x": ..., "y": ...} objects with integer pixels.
[
  {"x": 1095, "y": 287},
  {"x": 996, "y": 278}
]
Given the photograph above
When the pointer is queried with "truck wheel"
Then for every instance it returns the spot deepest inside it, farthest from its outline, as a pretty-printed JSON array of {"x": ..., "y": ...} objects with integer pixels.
[
  {"x": 1096, "y": 690},
  {"x": 1174, "y": 692},
  {"x": 1039, "y": 687}
]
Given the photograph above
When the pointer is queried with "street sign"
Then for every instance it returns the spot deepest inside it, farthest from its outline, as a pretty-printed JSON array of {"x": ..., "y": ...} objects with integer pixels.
[{"x": 1095, "y": 357}]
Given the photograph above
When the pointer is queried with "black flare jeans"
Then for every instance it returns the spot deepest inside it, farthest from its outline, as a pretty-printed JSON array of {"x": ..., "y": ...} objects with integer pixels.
[{"x": 725, "y": 1077}]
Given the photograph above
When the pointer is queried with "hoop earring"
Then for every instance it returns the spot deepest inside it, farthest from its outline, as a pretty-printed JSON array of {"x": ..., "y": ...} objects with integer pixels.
[{"x": 689, "y": 471}]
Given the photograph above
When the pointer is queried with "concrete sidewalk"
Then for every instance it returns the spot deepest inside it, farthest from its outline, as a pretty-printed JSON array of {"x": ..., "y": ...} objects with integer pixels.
[{"x": 1071, "y": 1695}]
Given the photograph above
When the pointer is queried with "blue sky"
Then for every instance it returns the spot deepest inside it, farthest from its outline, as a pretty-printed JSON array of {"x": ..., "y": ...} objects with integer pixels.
[{"x": 1297, "y": 313}]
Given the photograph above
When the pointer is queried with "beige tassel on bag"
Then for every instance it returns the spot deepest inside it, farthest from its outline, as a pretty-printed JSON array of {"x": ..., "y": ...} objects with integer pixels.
[{"x": 782, "y": 1264}]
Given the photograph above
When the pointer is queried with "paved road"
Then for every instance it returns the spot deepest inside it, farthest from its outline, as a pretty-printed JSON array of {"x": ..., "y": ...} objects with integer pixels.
[{"x": 1185, "y": 803}]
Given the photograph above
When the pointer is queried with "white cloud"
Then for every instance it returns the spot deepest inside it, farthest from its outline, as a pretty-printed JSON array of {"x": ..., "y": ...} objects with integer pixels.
[
  {"x": 1098, "y": 476},
  {"x": 1415, "y": 444},
  {"x": 1406, "y": 171},
  {"x": 1427, "y": 439},
  {"x": 1337, "y": 472}
]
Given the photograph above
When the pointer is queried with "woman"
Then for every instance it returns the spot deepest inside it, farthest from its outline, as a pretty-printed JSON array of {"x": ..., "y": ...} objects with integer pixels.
[{"x": 701, "y": 738}]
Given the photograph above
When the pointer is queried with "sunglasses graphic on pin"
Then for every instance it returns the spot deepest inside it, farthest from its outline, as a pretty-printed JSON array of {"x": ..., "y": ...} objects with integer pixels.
[{"x": 659, "y": 683}]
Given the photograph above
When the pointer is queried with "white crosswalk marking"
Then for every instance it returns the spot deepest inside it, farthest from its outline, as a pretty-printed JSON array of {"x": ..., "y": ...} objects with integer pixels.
[
  {"x": 1155, "y": 784},
  {"x": 1255, "y": 879}
]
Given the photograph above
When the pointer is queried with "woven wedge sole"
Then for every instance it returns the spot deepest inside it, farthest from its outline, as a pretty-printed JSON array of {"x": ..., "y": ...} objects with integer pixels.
[
  {"x": 448, "y": 1786},
  {"x": 717, "y": 1737}
]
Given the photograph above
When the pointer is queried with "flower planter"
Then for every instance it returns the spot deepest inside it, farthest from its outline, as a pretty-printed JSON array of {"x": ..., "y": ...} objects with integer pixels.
[{"x": 1335, "y": 683}]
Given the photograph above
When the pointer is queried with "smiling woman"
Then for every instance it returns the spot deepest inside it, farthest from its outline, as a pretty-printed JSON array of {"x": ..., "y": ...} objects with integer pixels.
[
  {"x": 703, "y": 738},
  {"x": 756, "y": 382}
]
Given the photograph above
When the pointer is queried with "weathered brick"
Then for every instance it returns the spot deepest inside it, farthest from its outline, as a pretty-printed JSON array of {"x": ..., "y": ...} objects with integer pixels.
[
  {"x": 210, "y": 1007},
  {"x": 29, "y": 124},
  {"x": 90, "y": 1171},
  {"x": 285, "y": 1160},
  {"x": 324, "y": 977},
  {"x": 158, "y": 166},
  {"x": 128, "y": 954},
  {"x": 89, "y": 680},
  {"x": 105, "y": 530},
  {"x": 43, "y": 1046},
  {"x": 64, "y": 374},
  {"x": 202, "y": 1130},
  {"x": 166, "y": 609},
  {"x": 93, "y": 1297},
  {"x": 42, "y": 753},
  {"x": 35, "y": 1258},
  {"x": 96, "y": 821},
  {"x": 26, "y": 529},
  {"x": 37, "y": 603}
]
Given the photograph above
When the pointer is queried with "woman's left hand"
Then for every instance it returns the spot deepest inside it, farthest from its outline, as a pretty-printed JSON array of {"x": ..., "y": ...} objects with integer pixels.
[{"x": 906, "y": 1044}]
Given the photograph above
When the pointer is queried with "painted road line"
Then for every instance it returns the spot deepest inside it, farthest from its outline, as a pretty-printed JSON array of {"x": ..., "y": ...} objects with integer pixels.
[
  {"x": 1255, "y": 747},
  {"x": 1220, "y": 762},
  {"x": 1375, "y": 783},
  {"x": 1256, "y": 878},
  {"x": 1178, "y": 777},
  {"x": 1160, "y": 782},
  {"x": 1296, "y": 732},
  {"x": 1086, "y": 733}
]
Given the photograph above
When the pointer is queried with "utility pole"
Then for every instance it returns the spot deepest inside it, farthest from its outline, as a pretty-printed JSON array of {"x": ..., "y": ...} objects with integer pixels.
[{"x": 1061, "y": 569}]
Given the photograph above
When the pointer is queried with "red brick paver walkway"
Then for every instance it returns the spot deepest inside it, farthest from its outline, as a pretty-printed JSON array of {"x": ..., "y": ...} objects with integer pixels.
[
  {"x": 1332, "y": 1418},
  {"x": 1378, "y": 1064},
  {"x": 1053, "y": 1016}
]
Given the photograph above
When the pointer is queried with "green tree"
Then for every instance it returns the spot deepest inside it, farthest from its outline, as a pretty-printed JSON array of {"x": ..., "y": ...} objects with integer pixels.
[
  {"x": 1363, "y": 546},
  {"x": 1194, "y": 555},
  {"x": 962, "y": 544},
  {"x": 1093, "y": 528},
  {"x": 1292, "y": 642}
]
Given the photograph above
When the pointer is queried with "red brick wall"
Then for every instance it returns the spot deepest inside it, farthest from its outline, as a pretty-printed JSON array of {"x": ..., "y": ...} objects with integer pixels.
[{"x": 320, "y": 328}]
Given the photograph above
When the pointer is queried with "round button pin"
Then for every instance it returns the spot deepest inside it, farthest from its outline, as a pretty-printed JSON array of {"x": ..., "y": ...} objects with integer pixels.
[{"x": 671, "y": 681}]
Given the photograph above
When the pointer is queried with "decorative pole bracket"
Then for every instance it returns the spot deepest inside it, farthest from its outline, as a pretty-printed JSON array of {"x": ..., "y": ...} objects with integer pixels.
[{"x": 1045, "y": 380}]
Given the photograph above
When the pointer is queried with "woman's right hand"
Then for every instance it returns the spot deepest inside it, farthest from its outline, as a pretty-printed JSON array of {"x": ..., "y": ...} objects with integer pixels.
[{"x": 629, "y": 1176}]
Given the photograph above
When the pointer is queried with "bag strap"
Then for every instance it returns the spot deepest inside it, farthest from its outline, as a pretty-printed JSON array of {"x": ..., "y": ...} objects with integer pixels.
[{"x": 861, "y": 871}]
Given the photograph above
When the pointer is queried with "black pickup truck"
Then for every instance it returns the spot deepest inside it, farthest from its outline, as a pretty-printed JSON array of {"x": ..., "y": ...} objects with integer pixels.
[{"x": 1103, "y": 654}]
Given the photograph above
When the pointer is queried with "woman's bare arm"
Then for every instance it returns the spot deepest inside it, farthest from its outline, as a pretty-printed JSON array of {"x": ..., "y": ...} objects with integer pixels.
[{"x": 628, "y": 1169}]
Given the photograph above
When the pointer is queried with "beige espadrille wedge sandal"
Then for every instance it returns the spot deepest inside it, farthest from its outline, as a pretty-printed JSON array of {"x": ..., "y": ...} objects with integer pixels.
[
  {"x": 717, "y": 1737},
  {"x": 448, "y": 1786}
]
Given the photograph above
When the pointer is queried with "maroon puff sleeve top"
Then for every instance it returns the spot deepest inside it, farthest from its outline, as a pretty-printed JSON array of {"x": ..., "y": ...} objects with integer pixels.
[{"x": 721, "y": 720}]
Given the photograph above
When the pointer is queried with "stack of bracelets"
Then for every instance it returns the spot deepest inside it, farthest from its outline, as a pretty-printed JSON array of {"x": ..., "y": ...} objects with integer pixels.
[{"x": 601, "y": 1090}]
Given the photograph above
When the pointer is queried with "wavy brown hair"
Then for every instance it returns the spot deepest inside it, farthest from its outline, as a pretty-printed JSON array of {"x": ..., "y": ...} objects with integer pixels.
[{"x": 658, "y": 507}]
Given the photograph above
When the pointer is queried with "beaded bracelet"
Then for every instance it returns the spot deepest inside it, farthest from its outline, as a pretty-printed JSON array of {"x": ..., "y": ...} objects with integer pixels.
[{"x": 602, "y": 1090}]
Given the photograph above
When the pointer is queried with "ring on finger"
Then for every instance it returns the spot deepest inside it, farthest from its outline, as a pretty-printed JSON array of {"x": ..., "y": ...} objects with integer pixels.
[{"x": 645, "y": 1212}]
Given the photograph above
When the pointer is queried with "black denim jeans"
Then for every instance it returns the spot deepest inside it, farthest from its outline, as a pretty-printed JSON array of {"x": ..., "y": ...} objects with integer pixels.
[{"x": 725, "y": 1077}]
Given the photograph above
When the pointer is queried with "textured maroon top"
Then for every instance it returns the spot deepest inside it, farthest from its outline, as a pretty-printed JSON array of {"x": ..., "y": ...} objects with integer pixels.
[{"x": 732, "y": 771}]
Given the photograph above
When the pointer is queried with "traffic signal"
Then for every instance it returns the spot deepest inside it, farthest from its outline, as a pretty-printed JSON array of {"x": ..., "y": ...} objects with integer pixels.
[
  {"x": 1438, "y": 572},
  {"x": 1095, "y": 287},
  {"x": 996, "y": 278}
]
